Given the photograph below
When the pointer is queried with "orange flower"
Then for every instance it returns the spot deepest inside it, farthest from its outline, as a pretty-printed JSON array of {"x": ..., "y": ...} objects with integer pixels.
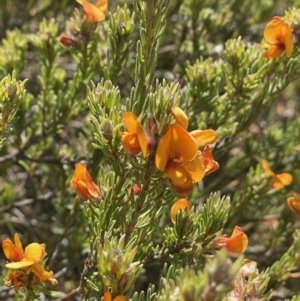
[
  {"x": 279, "y": 36},
  {"x": 278, "y": 180},
  {"x": 182, "y": 204},
  {"x": 83, "y": 183},
  {"x": 135, "y": 139},
  {"x": 210, "y": 164},
  {"x": 177, "y": 153},
  {"x": 34, "y": 253},
  {"x": 93, "y": 12},
  {"x": 108, "y": 297},
  {"x": 25, "y": 263},
  {"x": 236, "y": 243},
  {"x": 294, "y": 203}
]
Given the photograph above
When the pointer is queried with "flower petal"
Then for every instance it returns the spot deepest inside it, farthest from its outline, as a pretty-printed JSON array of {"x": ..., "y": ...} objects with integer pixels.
[
  {"x": 120, "y": 298},
  {"x": 93, "y": 13},
  {"x": 41, "y": 273},
  {"x": 177, "y": 174},
  {"x": 237, "y": 242},
  {"x": 130, "y": 121},
  {"x": 35, "y": 252},
  {"x": 294, "y": 203},
  {"x": 182, "y": 143},
  {"x": 180, "y": 117},
  {"x": 198, "y": 171},
  {"x": 83, "y": 183},
  {"x": 285, "y": 178},
  {"x": 267, "y": 169},
  {"x": 143, "y": 141},
  {"x": 182, "y": 204},
  {"x": 107, "y": 296},
  {"x": 163, "y": 151},
  {"x": 13, "y": 252},
  {"x": 274, "y": 30},
  {"x": 131, "y": 143},
  {"x": 274, "y": 51},
  {"x": 204, "y": 137}
]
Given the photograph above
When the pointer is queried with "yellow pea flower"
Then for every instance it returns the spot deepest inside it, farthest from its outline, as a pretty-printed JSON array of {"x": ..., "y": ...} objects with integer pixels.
[
  {"x": 278, "y": 180},
  {"x": 94, "y": 12},
  {"x": 34, "y": 253},
  {"x": 25, "y": 263},
  {"x": 83, "y": 184},
  {"x": 236, "y": 243},
  {"x": 278, "y": 34},
  {"x": 177, "y": 153}
]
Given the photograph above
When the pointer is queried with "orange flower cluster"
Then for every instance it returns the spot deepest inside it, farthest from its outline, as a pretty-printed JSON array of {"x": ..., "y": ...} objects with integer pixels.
[
  {"x": 277, "y": 180},
  {"x": 177, "y": 151},
  {"x": 83, "y": 184},
  {"x": 237, "y": 243},
  {"x": 27, "y": 265},
  {"x": 178, "y": 156},
  {"x": 278, "y": 34},
  {"x": 94, "y": 12}
]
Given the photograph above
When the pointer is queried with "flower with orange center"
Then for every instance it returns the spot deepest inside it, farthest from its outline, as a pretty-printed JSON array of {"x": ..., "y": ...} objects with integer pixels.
[
  {"x": 108, "y": 297},
  {"x": 94, "y": 12},
  {"x": 294, "y": 203},
  {"x": 134, "y": 139},
  {"x": 236, "y": 243},
  {"x": 25, "y": 262},
  {"x": 278, "y": 180},
  {"x": 180, "y": 205},
  {"x": 83, "y": 184},
  {"x": 279, "y": 36},
  {"x": 177, "y": 153}
]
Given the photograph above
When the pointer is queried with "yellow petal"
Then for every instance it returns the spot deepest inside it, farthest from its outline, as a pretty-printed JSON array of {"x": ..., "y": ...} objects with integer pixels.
[
  {"x": 142, "y": 138},
  {"x": 13, "y": 252},
  {"x": 198, "y": 171},
  {"x": 266, "y": 168},
  {"x": 19, "y": 265},
  {"x": 131, "y": 143},
  {"x": 182, "y": 204},
  {"x": 237, "y": 243},
  {"x": 274, "y": 30},
  {"x": 35, "y": 252},
  {"x": 177, "y": 174},
  {"x": 182, "y": 143},
  {"x": 130, "y": 121},
  {"x": 163, "y": 151},
  {"x": 102, "y": 5},
  {"x": 93, "y": 13},
  {"x": 180, "y": 117},
  {"x": 285, "y": 178},
  {"x": 41, "y": 273},
  {"x": 294, "y": 203},
  {"x": 204, "y": 137}
]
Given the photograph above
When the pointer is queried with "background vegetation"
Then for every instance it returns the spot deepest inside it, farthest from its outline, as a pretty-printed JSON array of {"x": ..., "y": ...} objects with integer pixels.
[{"x": 203, "y": 56}]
